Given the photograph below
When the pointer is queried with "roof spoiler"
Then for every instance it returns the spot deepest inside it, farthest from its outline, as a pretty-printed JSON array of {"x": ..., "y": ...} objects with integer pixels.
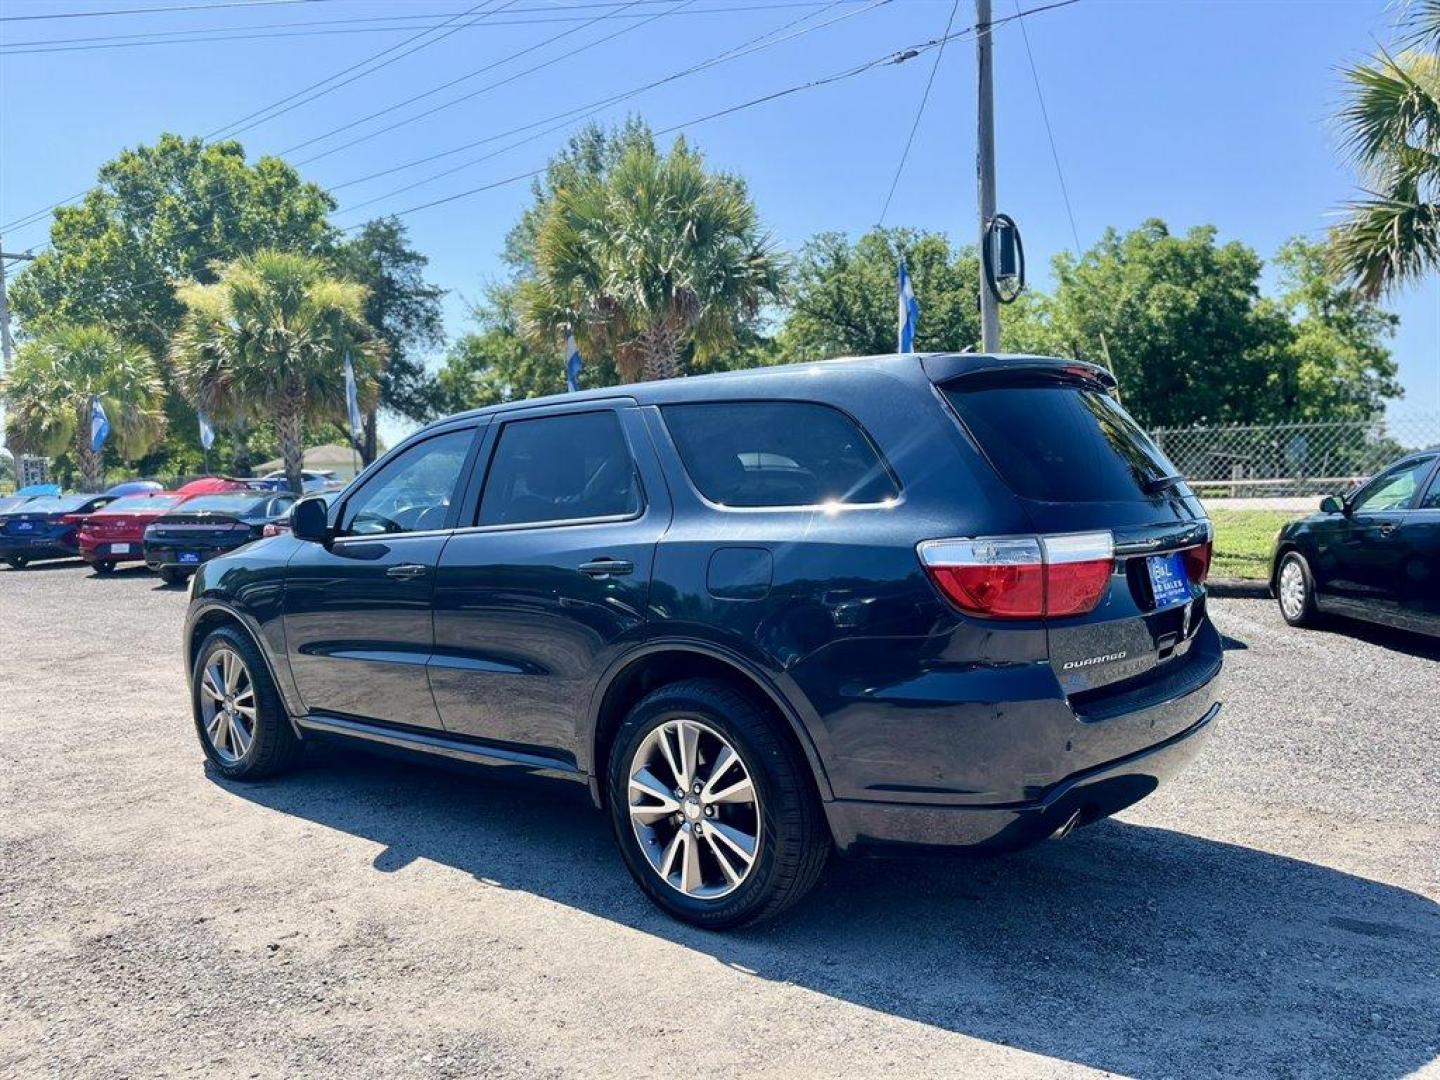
[{"x": 953, "y": 367}]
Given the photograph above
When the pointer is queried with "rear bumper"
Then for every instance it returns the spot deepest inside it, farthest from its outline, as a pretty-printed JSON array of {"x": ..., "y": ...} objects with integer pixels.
[
  {"x": 41, "y": 547},
  {"x": 165, "y": 555},
  {"x": 105, "y": 551},
  {"x": 1077, "y": 800}
]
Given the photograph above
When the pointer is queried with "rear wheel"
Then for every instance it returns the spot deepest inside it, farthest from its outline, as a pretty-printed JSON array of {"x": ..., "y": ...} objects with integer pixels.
[
  {"x": 18, "y": 562},
  {"x": 1295, "y": 590},
  {"x": 172, "y": 576},
  {"x": 242, "y": 724},
  {"x": 105, "y": 566},
  {"x": 712, "y": 807}
]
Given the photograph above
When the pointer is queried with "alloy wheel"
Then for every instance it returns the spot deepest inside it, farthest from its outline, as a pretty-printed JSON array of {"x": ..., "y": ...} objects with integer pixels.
[
  {"x": 227, "y": 705},
  {"x": 694, "y": 809},
  {"x": 1292, "y": 588}
]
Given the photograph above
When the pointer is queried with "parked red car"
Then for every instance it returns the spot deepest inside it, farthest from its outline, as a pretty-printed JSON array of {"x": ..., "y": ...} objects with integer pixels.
[
  {"x": 117, "y": 533},
  {"x": 210, "y": 485}
]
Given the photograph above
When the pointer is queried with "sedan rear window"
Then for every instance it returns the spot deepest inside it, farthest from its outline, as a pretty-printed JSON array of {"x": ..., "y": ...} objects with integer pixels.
[
  {"x": 1061, "y": 442},
  {"x": 777, "y": 453}
]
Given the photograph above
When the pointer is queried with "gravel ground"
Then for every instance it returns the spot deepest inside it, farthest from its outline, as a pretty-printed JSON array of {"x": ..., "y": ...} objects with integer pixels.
[{"x": 1273, "y": 912}]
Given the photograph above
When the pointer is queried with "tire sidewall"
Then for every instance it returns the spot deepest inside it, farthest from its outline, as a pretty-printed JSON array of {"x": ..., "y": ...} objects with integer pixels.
[{"x": 752, "y": 895}]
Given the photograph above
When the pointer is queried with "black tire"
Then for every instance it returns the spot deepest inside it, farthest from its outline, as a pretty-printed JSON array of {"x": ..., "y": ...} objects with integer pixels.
[
  {"x": 18, "y": 562},
  {"x": 173, "y": 576},
  {"x": 105, "y": 566},
  {"x": 794, "y": 840},
  {"x": 274, "y": 746},
  {"x": 1305, "y": 614}
]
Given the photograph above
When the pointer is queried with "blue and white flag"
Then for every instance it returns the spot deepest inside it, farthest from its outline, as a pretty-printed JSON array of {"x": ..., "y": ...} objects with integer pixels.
[
  {"x": 909, "y": 311},
  {"x": 352, "y": 398},
  {"x": 572, "y": 363},
  {"x": 99, "y": 424},
  {"x": 207, "y": 433}
]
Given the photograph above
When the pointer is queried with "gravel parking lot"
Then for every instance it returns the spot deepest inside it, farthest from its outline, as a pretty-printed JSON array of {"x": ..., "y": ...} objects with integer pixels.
[{"x": 1271, "y": 913}]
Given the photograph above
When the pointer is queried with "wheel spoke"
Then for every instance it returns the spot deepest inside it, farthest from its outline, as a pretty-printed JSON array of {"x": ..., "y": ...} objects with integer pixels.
[
  {"x": 650, "y": 785},
  {"x": 667, "y": 860},
  {"x": 210, "y": 685},
  {"x": 742, "y": 791},
  {"x": 239, "y": 737},
  {"x": 665, "y": 749},
  {"x": 690, "y": 876},
  {"x": 215, "y": 727},
  {"x": 232, "y": 675},
  {"x": 720, "y": 857},
  {"x": 726, "y": 759},
  {"x": 740, "y": 843},
  {"x": 689, "y": 752}
]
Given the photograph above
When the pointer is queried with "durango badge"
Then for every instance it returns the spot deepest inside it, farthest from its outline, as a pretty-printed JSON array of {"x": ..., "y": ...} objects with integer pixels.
[{"x": 1108, "y": 658}]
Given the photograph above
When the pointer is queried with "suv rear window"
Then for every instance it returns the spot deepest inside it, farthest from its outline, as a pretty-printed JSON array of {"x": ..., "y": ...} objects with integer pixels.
[
  {"x": 1060, "y": 442},
  {"x": 777, "y": 453}
]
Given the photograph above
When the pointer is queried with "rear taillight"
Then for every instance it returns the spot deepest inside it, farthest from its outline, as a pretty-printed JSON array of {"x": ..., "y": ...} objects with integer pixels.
[
  {"x": 1197, "y": 562},
  {"x": 1022, "y": 577},
  {"x": 72, "y": 519}
]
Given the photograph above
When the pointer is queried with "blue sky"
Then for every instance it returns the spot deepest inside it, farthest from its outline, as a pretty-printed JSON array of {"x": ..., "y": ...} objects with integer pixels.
[{"x": 1195, "y": 112}]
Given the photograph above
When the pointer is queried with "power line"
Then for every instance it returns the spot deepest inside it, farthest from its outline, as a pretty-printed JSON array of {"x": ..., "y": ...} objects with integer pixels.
[
  {"x": 472, "y": 74},
  {"x": 1049, "y": 134},
  {"x": 920, "y": 112},
  {"x": 290, "y": 102},
  {"x": 584, "y": 112},
  {"x": 153, "y": 10},
  {"x": 290, "y": 29}
]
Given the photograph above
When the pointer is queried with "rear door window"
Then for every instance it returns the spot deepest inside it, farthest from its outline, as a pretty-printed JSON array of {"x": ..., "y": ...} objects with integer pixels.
[
  {"x": 1061, "y": 442},
  {"x": 777, "y": 453},
  {"x": 570, "y": 467}
]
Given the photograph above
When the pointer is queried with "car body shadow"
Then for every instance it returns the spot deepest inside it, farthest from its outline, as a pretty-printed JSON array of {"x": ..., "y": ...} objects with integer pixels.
[
  {"x": 1409, "y": 642},
  {"x": 1138, "y": 950}
]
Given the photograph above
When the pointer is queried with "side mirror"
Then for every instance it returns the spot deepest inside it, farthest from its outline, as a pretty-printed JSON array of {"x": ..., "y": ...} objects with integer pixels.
[
  {"x": 1331, "y": 505},
  {"x": 310, "y": 520}
]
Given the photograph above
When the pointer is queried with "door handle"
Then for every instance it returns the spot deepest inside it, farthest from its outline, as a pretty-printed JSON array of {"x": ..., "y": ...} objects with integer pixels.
[
  {"x": 1388, "y": 527},
  {"x": 603, "y": 568},
  {"x": 407, "y": 571}
]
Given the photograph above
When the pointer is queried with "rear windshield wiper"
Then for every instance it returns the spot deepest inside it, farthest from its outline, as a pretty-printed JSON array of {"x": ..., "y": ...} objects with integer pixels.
[{"x": 1157, "y": 484}]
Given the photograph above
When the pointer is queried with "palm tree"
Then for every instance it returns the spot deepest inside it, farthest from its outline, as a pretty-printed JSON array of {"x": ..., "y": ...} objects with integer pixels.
[
  {"x": 1391, "y": 127},
  {"x": 269, "y": 340},
  {"x": 56, "y": 377},
  {"x": 649, "y": 259}
]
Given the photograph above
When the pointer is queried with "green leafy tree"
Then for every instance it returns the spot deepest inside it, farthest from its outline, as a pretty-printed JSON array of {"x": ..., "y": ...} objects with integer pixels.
[
  {"x": 1337, "y": 366},
  {"x": 56, "y": 376},
  {"x": 1391, "y": 127},
  {"x": 268, "y": 341},
  {"x": 843, "y": 301},
  {"x": 651, "y": 262},
  {"x": 405, "y": 311}
]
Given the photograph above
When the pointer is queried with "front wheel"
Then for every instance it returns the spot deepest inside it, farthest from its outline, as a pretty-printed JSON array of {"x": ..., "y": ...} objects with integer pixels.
[
  {"x": 172, "y": 576},
  {"x": 239, "y": 717},
  {"x": 712, "y": 807},
  {"x": 18, "y": 562},
  {"x": 1295, "y": 590}
]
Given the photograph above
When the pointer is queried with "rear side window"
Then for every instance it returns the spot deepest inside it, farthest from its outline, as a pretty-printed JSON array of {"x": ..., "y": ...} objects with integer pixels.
[
  {"x": 777, "y": 453},
  {"x": 560, "y": 468},
  {"x": 1061, "y": 442}
]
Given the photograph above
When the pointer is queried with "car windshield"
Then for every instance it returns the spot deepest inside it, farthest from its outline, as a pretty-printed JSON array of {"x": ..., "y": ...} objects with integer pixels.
[
  {"x": 141, "y": 504},
  {"x": 238, "y": 502},
  {"x": 55, "y": 504}
]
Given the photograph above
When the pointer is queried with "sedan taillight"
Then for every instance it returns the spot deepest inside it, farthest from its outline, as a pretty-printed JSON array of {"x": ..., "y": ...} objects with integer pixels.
[{"x": 1022, "y": 577}]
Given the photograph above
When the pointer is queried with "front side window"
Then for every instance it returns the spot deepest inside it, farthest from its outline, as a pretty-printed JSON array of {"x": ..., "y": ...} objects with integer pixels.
[
  {"x": 560, "y": 468},
  {"x": 777, "y": 453},
  {"x": 1395, "y": 489},
  {"x": 413, "y": 491}
]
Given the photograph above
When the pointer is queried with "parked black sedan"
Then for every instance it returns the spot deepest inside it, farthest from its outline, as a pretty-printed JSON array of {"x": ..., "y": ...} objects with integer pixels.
[
  {"x": 45, "y": 527},
  {"x": 210, "y": 525},
  {"x": 1374, "y": 555}
]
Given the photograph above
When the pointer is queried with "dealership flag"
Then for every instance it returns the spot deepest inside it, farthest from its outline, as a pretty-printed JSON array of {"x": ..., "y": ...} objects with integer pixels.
[
  {"x": 352, "y": 398},
  {"x": 99, "y": 424},
  {"x": 909, "y": 311},
  {"x": 207, "y": 433},
  {"x": 572, "y": 363}
]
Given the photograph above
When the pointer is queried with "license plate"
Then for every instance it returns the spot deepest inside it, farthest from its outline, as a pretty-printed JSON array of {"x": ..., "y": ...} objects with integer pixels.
[
  {"x": 119, "y": 549},
  {"x": 189, "y": 556},
  {"x": 24, "y": 526},
  {"x": 1168, "y": 580}
]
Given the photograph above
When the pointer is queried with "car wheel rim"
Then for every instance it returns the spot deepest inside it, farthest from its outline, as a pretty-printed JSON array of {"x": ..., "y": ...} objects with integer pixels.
[
  {"x": 227, "y": 705},
  {"x": 1292, "y": 589},
  {"x": 694, "y": 809}
]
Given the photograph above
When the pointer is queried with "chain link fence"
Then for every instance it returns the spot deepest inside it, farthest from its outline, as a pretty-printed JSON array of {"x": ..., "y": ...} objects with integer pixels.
[{"x": 1289, "y": 460}]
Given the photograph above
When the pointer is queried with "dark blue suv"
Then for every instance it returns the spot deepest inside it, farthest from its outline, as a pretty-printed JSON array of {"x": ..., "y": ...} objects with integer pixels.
[{"x": 938, "y": 601}]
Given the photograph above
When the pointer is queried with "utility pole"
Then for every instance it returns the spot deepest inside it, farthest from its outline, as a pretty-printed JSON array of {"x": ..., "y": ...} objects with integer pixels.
[
  {"x": 985, "y": 171},
  {"x": 7, "y": 346}
]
